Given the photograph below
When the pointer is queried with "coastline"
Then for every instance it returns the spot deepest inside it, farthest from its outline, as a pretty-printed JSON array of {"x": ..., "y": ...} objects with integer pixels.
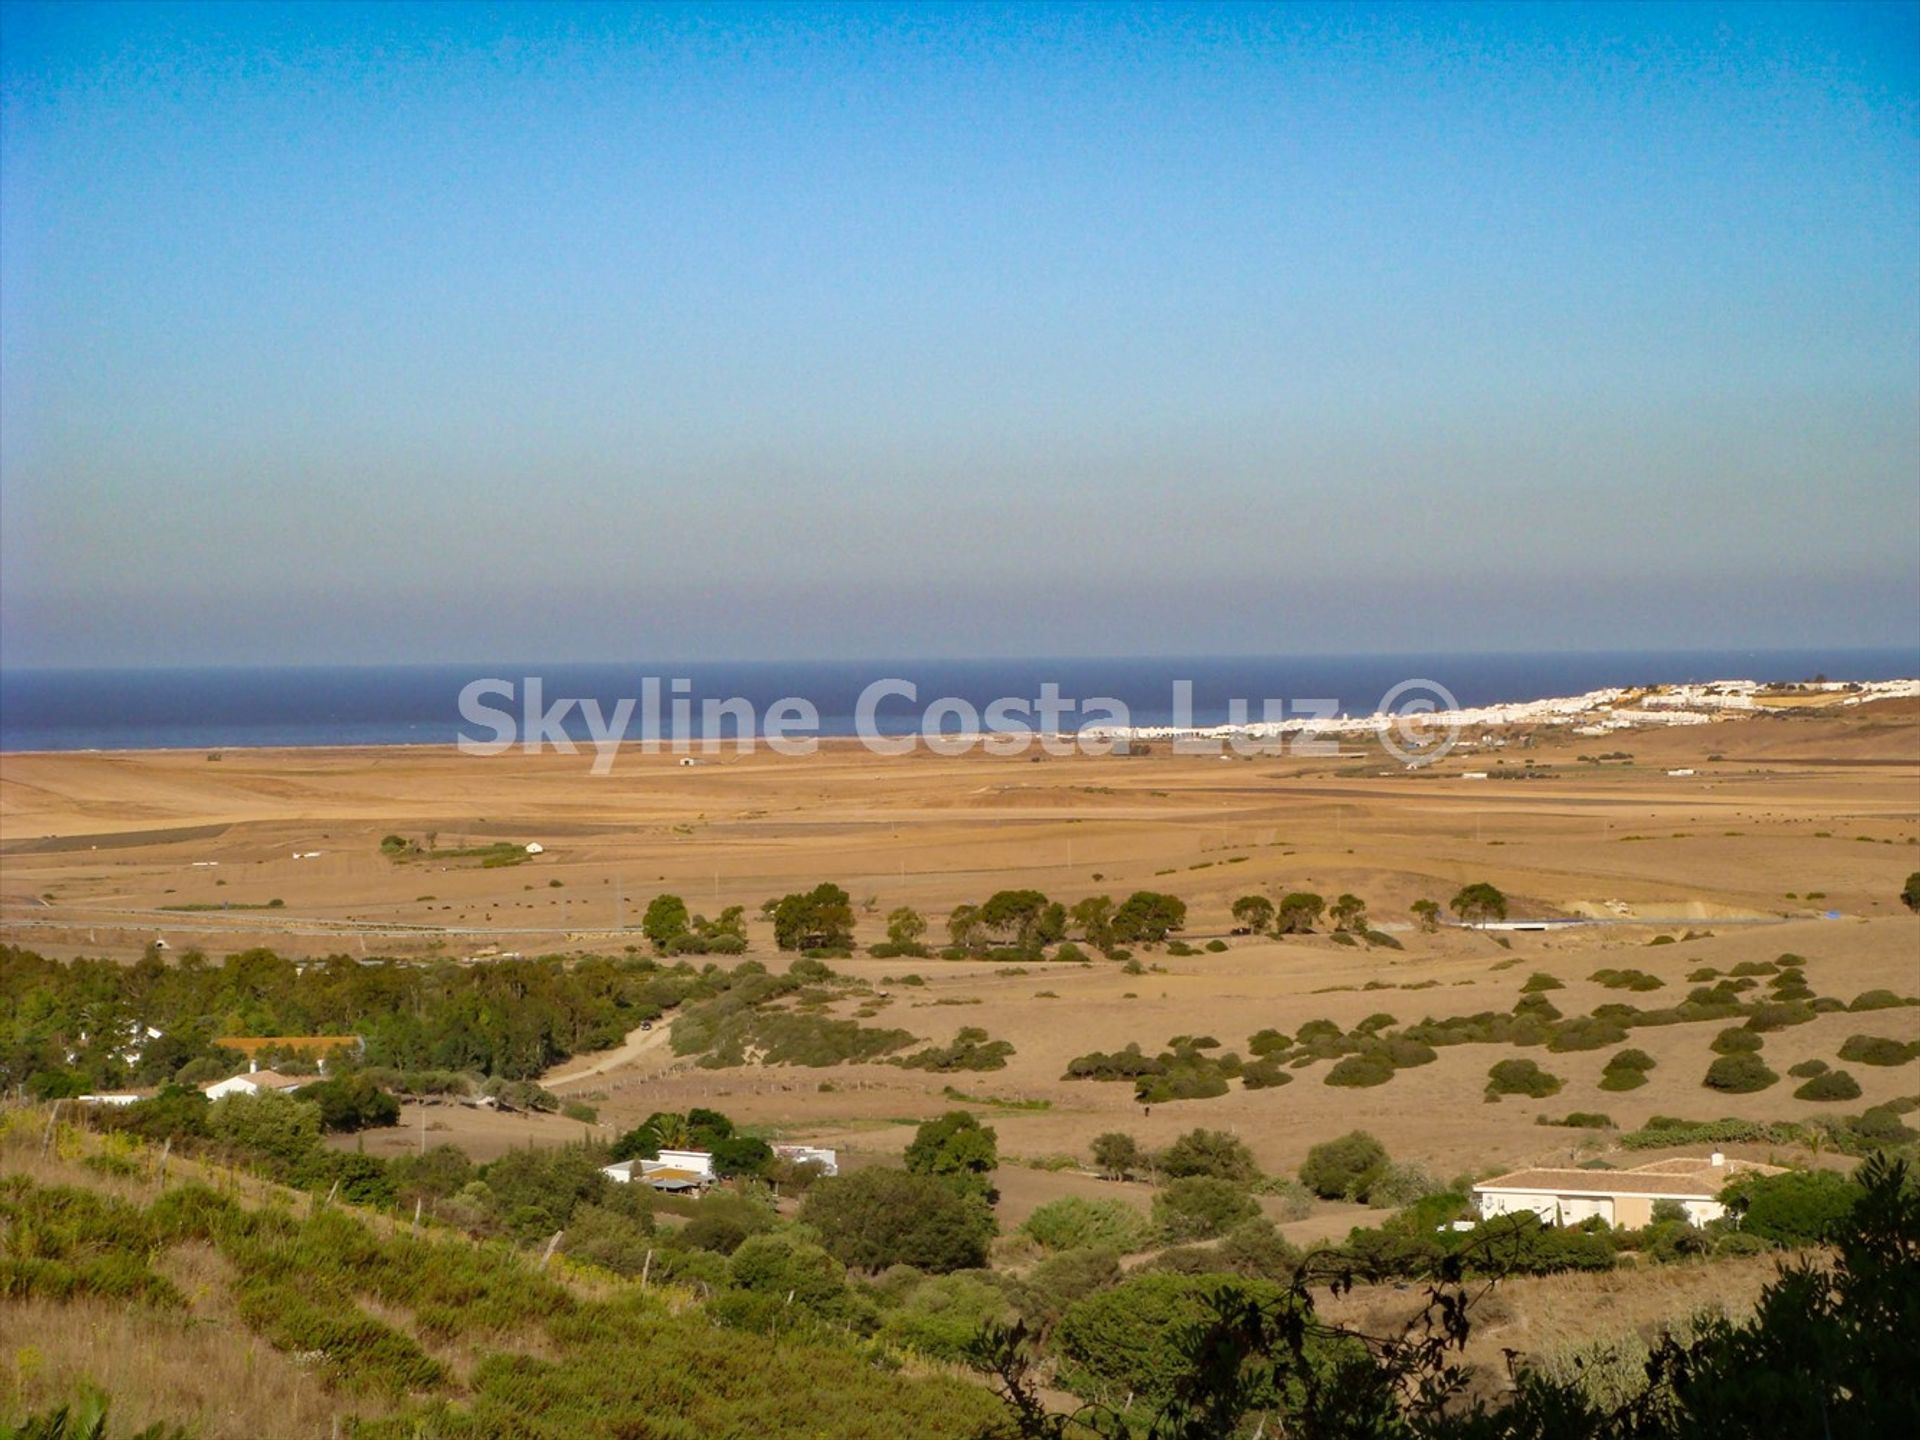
[{"x": 1597, "y": 712}]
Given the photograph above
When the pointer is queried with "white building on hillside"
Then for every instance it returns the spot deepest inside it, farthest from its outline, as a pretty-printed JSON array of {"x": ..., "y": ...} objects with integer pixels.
[
  {"x": 1623, "y": 1198},
  {"x": 672, "y": 1170},
  {"x": 255, "y": 1082}
]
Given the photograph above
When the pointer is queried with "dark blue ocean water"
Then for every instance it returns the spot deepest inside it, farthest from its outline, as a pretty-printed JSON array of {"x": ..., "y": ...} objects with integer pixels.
[{"x": 419, "y": 704}]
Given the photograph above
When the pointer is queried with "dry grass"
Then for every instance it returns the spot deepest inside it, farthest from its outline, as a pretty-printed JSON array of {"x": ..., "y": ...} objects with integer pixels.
[
  {"x": 204, "y": 1369},
  {"x": 1535, "y": 1315}
]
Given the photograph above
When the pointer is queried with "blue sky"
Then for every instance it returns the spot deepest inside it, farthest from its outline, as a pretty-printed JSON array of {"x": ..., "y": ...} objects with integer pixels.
[{"x": 397, "y": 333}]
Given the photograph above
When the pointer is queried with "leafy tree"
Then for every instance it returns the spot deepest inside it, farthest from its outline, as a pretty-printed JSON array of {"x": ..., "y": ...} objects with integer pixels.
[
  {"x": 1216, "y": 1153},
  {"x": 877, "y": 1216},
  {"x": 1910, "y": 892},
  {"x": 957, "y": 1148},
  {"x": 1133, "y": 1340},
  {"x": 1426, "y": 915},
  {"x": 1252, "y": 914},
  {"x": 665, "y": 921},
  {"x": 1348, "y": 913},
  {"x": 742, "y": 1155},
  {"x": 905, "y": 927},
  {"x": 963, "y": 926},
  {"x": 1201, "y": 1208},
  {"x": 1801, "y": 1207},
  {"x": 1118, "y": 1155},
  {"x": 697, "y": 1129},
  {"x": 1015, "y": 917},
  {"x": 1479, "y": 903},
  {"x": 817, "y": 919},
  {"x": 1093, "y": 918},
  {"x": 1148, "y": 917},
  {"x": 1344, "y": 1169},
  {"x": 1299, "y": 912},
  {"x": 279, "y": 1128},
  {"x": 351, "y": 1102}
]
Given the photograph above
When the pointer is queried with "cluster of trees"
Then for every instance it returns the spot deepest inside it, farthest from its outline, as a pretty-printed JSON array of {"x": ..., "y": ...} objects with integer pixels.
[
  {"x": 674, "y": 931},
  {"x": 1301, "y": 912},
  {"x": 816, "y": 922},
  {"x": 509, "y": 1018},
  {"x": 935, "y": 1215},
  {"x": 1021, "y": 924}
]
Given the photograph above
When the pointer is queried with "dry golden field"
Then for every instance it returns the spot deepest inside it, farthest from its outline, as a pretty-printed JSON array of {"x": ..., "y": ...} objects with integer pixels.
[{"x": 1787, "y": 817}]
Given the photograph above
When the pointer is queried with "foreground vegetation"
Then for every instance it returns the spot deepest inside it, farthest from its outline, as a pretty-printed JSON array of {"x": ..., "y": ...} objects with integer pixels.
[{"x": 720, "y": 1316}]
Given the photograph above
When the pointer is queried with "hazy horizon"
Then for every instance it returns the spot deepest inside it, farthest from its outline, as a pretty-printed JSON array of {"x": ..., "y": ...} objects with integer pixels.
[{"x": 391, "y": 334}]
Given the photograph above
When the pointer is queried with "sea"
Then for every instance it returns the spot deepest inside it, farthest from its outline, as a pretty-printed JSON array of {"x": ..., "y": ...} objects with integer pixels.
[{"x": 194, "y": 709}]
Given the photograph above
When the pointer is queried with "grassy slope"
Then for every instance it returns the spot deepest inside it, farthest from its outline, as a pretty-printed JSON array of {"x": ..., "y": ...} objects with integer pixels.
[{"x": 243, "y": 1311}]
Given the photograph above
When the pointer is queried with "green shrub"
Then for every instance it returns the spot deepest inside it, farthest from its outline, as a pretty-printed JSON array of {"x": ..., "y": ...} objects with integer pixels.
[
  {"x": 1587, "y": 1033},
  {"x": 1129, "y": 1341},
  {"x": 1344, "y": 1169},
  {"x": 1072, "y": 1223},
  {"x": 1800, "y": 1207},
  {"x": 1201, "y": 1208},
  {"x": 1401, "y": 1185},
  {"x": 1264, "y": 1075},
  {"x": 970, "y": 1050},
  {"x": 1876, "y": 1050},
  {"x": 1833, "y": 1085},
  {"x": 1736, "y": 1041},
  {"x": 1214, "y": 1153},
  {"x": 1739, "y": 1074},
  {"x": 1778, "y": 1015},
  {"x": 1372, "y": 1068},
  {"x": 1407, "y": 1054},
  {"x": 1627, "y": 979},
  {"x": 1521, "y": 1077},
  {"x": 1807, "y": 1069},
  {"x": 876, "y": 1217},
  {"x": 1876, "y": 1000}
]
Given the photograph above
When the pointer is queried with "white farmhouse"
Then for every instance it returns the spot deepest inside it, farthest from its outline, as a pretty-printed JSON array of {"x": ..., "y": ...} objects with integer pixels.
[
  {"x": 671, "y": 1170},
  {"x": 255, "y": 1082},
  {"x": 1624, "y": 1199}
]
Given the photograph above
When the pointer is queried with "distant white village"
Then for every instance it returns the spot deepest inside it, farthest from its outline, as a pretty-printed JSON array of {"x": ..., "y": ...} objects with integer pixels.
[{"x": 1596, "y": 713}]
